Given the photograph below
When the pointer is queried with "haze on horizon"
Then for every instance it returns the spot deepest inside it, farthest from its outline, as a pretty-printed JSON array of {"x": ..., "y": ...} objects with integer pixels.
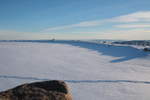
[{"x": 75, "y": 19}]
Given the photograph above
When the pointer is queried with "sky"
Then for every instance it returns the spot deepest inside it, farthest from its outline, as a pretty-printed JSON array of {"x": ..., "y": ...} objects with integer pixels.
[{"x": 75, "y": 19}]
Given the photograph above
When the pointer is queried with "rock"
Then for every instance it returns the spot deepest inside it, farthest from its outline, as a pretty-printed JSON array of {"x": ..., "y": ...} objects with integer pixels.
[
  {"x": 146, "y": 49},
  {"x": 47, "y": 90}
]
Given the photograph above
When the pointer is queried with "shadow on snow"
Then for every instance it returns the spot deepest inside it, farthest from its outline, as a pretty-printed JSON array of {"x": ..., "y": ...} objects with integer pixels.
[{"x": 123, "y": 52}]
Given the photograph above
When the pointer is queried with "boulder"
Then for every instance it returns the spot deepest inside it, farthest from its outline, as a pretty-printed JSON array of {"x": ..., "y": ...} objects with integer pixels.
[
  {"x": 47, "y": 90},
  {"x": 146, "y": 49}
]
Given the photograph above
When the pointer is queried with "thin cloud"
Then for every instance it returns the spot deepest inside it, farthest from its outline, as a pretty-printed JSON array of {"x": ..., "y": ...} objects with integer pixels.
[
  {"x": 133, "y": 26},
  {"x": 135, "y": 20},
  {"x": 143, "y": 16},
  {"x": 81, "y": 24}
]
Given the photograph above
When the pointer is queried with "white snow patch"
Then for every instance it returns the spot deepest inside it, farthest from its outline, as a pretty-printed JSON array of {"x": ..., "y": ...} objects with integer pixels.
[{"x": 78, "y": 61}]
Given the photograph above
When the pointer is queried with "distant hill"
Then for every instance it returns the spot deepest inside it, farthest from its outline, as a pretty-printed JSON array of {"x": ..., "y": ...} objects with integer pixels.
[{"x": 135, "y": 42}]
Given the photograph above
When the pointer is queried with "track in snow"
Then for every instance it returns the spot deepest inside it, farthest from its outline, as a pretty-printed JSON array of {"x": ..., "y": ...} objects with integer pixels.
[{"x": 77, "y": 81}]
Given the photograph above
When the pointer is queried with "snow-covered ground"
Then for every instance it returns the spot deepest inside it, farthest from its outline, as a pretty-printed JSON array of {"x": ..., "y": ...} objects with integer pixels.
[{"x": 93, "y": 71}]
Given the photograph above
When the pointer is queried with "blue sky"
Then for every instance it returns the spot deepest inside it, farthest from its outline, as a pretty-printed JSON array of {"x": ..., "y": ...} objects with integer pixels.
[{"x": 75, "y": 19}]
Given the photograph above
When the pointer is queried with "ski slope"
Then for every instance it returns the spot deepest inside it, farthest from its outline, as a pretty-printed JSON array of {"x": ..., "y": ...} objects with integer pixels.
[{"x": 93, "y": 71}]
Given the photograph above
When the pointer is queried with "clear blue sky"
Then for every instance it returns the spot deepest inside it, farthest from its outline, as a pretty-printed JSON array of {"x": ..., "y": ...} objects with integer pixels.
[{"x": 74, "y": 19}]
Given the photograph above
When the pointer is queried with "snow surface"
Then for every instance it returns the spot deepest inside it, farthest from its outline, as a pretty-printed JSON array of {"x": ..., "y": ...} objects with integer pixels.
[{"x": 93, "y": 71}]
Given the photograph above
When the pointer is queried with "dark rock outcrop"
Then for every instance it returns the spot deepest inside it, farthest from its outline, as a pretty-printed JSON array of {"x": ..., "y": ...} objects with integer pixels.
[
  {"x": 47, "y": 90},
  {"x": 146, "y": 49}
]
